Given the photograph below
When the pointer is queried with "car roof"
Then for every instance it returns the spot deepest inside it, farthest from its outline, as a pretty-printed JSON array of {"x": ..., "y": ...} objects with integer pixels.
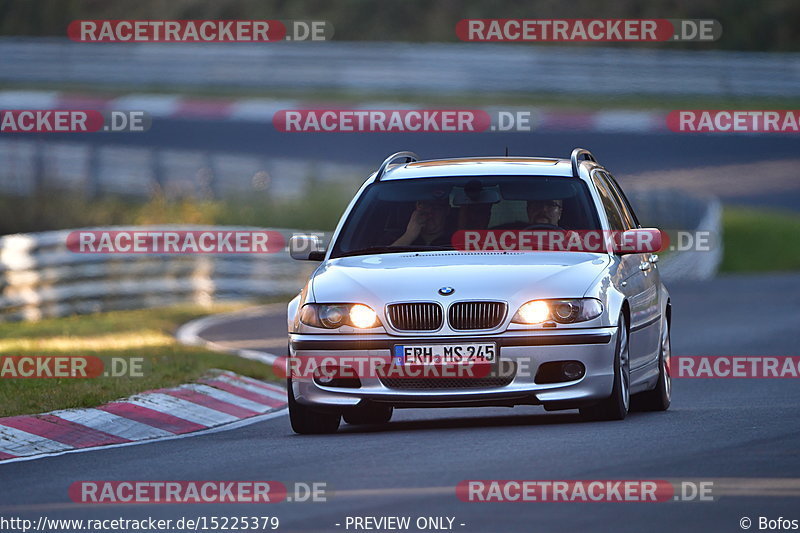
[{"x": 480, "y": 166}]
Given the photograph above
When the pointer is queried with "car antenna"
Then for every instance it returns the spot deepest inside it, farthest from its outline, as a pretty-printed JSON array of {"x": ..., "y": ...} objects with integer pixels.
[{"x": 506, "y": 151}]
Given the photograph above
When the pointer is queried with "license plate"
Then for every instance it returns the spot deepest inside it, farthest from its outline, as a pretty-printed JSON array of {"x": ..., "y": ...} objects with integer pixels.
[{"x": 445, "y": 354}]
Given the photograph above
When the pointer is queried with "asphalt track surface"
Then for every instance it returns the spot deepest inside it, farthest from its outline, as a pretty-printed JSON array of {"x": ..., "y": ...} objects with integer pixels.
[
  {"x": 741, "y": 433},
  {"x": 622, "y": 153}
]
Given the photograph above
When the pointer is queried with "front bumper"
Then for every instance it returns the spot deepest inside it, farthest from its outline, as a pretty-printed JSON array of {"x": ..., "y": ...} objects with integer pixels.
[{"x": 528, "y": 350}]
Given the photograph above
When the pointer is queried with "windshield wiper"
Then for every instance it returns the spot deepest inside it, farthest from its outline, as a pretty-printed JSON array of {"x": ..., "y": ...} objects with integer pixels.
[{"x": 391, "y": 250}]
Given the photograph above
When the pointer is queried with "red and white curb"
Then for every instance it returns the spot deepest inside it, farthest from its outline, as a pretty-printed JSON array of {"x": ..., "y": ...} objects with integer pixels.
[
  {"x": 263, "y": 109},
  {"x": 219, "y": 401}
]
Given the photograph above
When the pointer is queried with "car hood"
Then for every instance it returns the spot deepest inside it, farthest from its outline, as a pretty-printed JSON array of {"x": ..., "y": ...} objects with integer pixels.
[{"x": 513, "y": 277}]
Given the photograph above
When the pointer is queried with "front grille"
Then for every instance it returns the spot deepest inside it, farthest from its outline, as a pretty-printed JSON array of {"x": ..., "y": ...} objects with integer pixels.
[
  {"x": 415, "y": 316},
  {"x": 494, "y": 380},
  {"x": 476, "y": 315}
]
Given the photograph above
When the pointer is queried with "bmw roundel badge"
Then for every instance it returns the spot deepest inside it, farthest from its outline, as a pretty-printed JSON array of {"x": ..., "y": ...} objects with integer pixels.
[{"x": 446, "y": 291}]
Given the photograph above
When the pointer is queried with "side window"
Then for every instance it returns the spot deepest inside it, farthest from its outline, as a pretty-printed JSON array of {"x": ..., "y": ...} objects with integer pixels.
[
  {"x": 609, "y": 201},
  {"x": 627, "y": 210}
]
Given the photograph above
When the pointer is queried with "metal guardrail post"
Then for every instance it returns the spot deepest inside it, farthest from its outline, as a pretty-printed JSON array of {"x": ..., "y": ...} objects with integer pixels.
[
  {"x": 93, "y": 179},
  {"x": 157, "y": 170}
]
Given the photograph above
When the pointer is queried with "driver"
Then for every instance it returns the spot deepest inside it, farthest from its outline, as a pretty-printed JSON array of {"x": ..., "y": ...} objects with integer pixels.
[
  {"x": 546, "y": 212},
  {"x": 427, "y": 225}
]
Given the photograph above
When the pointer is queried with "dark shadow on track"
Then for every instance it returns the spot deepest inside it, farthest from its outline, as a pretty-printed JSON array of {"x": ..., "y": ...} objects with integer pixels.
[{"x": 477, "y": 422}]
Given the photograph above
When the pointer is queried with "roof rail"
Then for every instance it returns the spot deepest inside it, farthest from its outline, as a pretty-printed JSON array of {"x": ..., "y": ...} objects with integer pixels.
[
  {"x": 408, "y": 156},
  {"x": 576, "y": 156}
]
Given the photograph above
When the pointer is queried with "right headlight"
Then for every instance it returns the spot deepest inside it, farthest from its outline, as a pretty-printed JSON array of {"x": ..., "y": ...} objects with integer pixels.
[{"x": 566, "y": 311}]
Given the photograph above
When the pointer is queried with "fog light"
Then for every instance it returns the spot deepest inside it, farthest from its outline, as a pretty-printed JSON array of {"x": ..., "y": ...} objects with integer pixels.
[
  {"x": 572, "y": 370},
  {"x": 559, "y": 372},
  {"x": 337, "y": 376}
]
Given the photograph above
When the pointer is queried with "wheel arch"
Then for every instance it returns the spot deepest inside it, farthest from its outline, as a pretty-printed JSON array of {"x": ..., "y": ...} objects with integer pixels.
[
  {"x": 668, "y": 312},
  {"x": 625, "y": 309}
]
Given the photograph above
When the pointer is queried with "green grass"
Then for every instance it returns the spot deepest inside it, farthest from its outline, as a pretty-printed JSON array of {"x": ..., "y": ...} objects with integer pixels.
[
  {"x": 145, "y": 333},
  {"x": 759, "y": 240}
]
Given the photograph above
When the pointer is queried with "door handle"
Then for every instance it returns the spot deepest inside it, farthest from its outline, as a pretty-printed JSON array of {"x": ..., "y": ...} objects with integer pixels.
[{"x": 644, "y": 266}]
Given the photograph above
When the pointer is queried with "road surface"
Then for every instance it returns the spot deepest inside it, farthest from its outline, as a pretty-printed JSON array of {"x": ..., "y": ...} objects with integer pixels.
[{"x": 740, "y": 433}]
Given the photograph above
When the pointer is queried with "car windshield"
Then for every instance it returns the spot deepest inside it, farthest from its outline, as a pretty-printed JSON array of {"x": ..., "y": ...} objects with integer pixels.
[{"x": 423, "y": 214}]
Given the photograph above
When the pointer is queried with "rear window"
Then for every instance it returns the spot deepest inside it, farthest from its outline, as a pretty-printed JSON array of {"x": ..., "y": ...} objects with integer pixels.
[{"x": 398, "y": 215}]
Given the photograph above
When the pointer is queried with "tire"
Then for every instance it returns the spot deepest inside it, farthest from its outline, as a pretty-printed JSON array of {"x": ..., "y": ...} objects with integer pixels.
[
  {"x": 307, "y": 421},
  {"x": 369, "y": 414},
  {"x": 616, "y": 406},
  {"x": 660, "y": 397}
]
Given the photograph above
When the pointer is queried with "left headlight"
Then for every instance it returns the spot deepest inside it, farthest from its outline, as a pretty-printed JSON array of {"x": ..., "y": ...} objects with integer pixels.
[
  {"x": 332, "y": 316},
  {"x": 562, "y": 311}
]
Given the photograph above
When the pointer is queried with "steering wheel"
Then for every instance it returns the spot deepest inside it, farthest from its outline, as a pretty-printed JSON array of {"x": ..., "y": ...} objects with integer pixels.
[{"x": 545, "y": 226}]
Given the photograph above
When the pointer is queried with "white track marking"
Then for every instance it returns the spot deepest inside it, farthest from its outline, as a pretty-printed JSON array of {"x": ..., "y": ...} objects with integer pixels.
[
  {"x": 252, "y": 388},
  {"x": 14, "y": 441},
  {"x": 112, "y": 424},
  {"x": 259, "y": 108},
  {"x": 189, "y": 334},
  {"x": 227, "y": 397},
  {"x": 226, "y": 427},
  {"x": 28, "y": 99},
  {"x": 255, "y": 382},
  {"x": 623, "y": 120},
  {"x": 157, "y": 105},
  {"x": 184, "y": 409}
]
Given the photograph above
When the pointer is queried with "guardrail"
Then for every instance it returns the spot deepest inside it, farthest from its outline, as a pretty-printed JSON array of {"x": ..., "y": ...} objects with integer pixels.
[
  {"x": 676, "y": 210},
  {"x": 401, "y": 67},
  {"x": 29, "y": 165},
  {"x": 40, "y": 277}
]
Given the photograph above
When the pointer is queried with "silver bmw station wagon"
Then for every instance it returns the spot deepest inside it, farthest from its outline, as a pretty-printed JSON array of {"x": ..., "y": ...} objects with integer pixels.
[{"x": 401, "y": 314}]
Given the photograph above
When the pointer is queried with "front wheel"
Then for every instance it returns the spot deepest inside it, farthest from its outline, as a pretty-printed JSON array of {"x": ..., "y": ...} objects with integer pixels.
[
  {"x": 307, "y": 421},
  {"x": 616, "y": 406}
]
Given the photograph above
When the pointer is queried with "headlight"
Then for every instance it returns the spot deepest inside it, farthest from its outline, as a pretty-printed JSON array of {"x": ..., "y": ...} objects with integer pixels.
[
  {"x": 332, "y": 316},
  {"x": 532, "y": 312},
  {"x": 362, "y": 316},
  {"x": 563, "y": 311}
]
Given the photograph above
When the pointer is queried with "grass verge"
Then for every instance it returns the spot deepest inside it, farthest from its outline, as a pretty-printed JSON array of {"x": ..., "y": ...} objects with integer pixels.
[
  {"x": 146, "y": 334},
  {"x": 760, "y": 240}
]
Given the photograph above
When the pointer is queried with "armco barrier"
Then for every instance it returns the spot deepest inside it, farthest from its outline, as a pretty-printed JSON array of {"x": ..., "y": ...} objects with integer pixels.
[
  {"x": 40, "y": 277},
  {"x": 401, "y": 67},
  {"x": 677, "y": 210},
  {"x": 28, "y": 165}
]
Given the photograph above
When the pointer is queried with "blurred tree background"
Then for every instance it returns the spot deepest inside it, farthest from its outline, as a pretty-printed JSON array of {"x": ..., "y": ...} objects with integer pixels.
[{"x": 766, "y": 25}]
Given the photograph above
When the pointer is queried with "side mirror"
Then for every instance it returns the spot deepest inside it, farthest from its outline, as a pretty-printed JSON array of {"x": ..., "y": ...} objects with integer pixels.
[
  {"x": 638, "y": 241},
  {"x": 306, "y": 247}
]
